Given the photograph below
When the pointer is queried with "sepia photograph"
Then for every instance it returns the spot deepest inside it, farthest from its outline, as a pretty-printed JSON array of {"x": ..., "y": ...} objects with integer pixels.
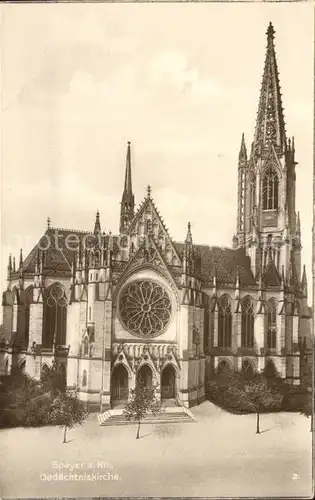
[{"x": 156, "y": 326}]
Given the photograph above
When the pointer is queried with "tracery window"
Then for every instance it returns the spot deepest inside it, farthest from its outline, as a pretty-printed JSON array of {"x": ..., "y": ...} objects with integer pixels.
[
  {"x": 270, "y": 189},
  {"x": 247, "y": 327},
  {"x": 271, "y": 316},
  {"x": 145, "y": 308},
  {"x": 55, "y": 316},
  {"x": 28, "y": 301},
  {"x": 225, "y": 322},
  {"x": 252, "y": 191},
  {"x": 85, "y": 346},
  {"x": 84, "y": 378}
]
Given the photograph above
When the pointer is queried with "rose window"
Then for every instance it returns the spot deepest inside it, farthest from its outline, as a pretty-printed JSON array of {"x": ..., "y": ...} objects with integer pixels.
[{"x": 145, "y": 308}]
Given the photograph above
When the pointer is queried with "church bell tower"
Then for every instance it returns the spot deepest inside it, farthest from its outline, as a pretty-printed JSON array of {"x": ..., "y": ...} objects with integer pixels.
[{"x": 267, "y": 223}]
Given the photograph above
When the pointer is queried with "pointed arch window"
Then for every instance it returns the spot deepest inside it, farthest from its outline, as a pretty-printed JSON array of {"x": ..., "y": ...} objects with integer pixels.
[
  {"x": 28, "y": 301},
  {"x": 271, "y": 318},
  {"x": 270, "y": 189},
  {"x": 86, "y": 346},
  {"x": 247, "y": 327},
  {"x": 55, "y": 316},
  {"x": 225, "y": 322},
  {"x": 252, "y": 190},
  {"x": 84, "y": 378}
]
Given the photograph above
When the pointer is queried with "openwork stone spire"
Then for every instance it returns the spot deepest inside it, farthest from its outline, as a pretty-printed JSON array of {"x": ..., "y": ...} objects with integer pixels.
[{"x": 270, "y": 126}]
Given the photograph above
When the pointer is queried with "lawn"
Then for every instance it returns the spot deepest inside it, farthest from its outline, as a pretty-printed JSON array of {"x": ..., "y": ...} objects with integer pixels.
[{"x": 218, "y": 455}]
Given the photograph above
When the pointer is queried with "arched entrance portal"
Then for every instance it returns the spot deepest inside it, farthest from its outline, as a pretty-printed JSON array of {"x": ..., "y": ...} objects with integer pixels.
[
  {"x": 119, "y": 391},
  {"x": 144, "y": 377},
  {"x": 168, "y": 382}
]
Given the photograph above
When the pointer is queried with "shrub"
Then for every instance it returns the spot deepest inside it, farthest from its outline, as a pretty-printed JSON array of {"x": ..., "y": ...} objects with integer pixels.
[{"x": 232, "y": 396}]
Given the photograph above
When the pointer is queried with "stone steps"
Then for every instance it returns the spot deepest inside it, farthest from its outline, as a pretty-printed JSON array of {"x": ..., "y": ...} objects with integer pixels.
[{"x": 169, "y": 415}]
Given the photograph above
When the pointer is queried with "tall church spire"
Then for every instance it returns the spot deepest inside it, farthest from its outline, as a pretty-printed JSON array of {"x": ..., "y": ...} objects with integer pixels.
[
  {"x": 127, "y": 202},
  {"x": 128, "y": 185},
  {"x": 270, "y": 126},
  {"x": 266, "y": 217}
]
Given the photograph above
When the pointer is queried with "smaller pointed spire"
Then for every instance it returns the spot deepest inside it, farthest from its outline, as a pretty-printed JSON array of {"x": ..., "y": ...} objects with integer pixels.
[
  {"x": 97, "y": 225},
  {"x": 149, "y": 190},
  {"x": 110, "y": 241},
  {"x": 237, "y": 284},
  {"x": 14, "y": 267},
  {"x": 238, "y": 277},
  {"x": 304, "y": 281},
  {"x": 242, "y": 157},
  {"x": 189, "y": 250},
  {"x": 290, "y": 275},
  {"x": 235, "y": 241},
  {"x": 10, "y": 266},
  {"x": 189, "y": 235},
  {"x": 286, "y": 216},
  {"x": 282, "y": 277},
  {"x": 214, "y": 289},
  {"x": 48, "y": 222},
  {"x": 298, "y": 223},
  {"x": 41, "y": 261},
  {"x": 37, "y": 262},
  {"x": 21, "y": 260},
  {"x": 73, "y": 271},
  {"x": 128, "y": 184}
]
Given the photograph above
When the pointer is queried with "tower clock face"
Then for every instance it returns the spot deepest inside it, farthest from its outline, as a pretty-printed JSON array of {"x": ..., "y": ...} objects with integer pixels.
[{"x": 145, "y": 308}]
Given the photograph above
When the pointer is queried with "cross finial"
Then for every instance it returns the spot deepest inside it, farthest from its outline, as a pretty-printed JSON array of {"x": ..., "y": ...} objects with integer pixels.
[
  {"x": 48, "y": 222},
  {"x": 149, "y": 191}
]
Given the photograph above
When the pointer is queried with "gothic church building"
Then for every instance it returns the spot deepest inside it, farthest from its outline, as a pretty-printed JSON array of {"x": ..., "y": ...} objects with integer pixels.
[{"x": 113, "y": 310}]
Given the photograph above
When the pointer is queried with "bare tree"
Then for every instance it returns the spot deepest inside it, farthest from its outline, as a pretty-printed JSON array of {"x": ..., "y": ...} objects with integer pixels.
[
  {"x": 142, "y": 401},
  {"x": 307, "y": 408},
  {"x": 66, "y": 412},
  {"x": 256, "y": 396}
]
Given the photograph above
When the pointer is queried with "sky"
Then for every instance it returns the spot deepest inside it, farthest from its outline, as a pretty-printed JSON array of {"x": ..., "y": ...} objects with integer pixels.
[{"x": 180, "y": 81}]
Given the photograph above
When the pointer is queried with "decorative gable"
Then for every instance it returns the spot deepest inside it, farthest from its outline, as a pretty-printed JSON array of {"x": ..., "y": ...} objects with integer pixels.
[
  {"x": 148, "y": 222},
  {"x": 272, "y": 159},
  {"x": 147, "y": 253}
]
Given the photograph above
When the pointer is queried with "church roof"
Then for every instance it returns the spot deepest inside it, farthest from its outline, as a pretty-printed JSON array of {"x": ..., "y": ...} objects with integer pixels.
[
  {"x": 224, "y": 263},
  {"x": 59, "y": 246}
]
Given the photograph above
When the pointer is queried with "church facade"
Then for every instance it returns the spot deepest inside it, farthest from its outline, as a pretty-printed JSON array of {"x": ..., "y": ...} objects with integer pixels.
[{"x": 137, "y": 307}]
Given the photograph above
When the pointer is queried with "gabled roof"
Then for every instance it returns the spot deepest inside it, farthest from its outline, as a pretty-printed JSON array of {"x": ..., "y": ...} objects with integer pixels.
[{"x": 222, "y": 262}]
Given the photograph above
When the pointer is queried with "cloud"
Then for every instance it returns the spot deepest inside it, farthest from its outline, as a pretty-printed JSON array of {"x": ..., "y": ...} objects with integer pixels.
[
  {"x": 201, "y": 211},
  {"x": 172, "y": 68}
]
